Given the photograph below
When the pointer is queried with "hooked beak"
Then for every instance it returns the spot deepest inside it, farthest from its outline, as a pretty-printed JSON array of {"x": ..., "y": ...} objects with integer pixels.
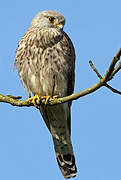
[{"x": 60, "y": 26}]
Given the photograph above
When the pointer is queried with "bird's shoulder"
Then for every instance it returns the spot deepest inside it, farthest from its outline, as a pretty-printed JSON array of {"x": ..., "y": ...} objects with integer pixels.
[{"x": 67, "y": 46}]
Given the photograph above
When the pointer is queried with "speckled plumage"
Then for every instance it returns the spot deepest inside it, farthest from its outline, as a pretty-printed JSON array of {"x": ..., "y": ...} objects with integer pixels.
[{"x": 45, "y": 60}]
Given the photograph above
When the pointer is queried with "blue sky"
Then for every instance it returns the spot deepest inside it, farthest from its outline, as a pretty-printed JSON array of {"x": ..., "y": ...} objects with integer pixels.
[{"x": 26, "y": 149}]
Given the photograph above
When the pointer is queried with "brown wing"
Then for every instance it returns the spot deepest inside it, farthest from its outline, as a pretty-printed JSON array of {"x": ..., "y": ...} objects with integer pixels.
[
  {"x": 71, "y": 56},
  {"x": 68, "y": 50},
  {"x": 71, "y": 74}
]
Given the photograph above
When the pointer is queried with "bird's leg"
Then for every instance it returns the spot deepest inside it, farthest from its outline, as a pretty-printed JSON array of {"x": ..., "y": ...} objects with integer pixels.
[{"x": 34, "y": 100}]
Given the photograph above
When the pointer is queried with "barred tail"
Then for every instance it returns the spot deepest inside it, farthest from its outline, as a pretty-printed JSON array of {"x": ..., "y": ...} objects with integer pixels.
[{"x": 67, "y": 165}]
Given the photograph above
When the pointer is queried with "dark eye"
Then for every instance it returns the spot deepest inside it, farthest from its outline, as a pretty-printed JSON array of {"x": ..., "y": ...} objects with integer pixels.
[{"x": 52, "y": 19}]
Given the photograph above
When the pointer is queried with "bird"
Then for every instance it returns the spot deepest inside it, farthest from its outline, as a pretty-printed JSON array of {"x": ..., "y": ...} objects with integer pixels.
[{"x": 45, "y": 60}]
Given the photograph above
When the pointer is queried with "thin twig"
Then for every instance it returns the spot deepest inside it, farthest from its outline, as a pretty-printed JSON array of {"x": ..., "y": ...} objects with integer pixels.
[
  {"x": 99, "y": 75},
  {"x": 116, "y": 70},
  {"x": 112, "y": 65},
  {"x": 94, "y": 69},
  {"x": 112, "y": 89}
]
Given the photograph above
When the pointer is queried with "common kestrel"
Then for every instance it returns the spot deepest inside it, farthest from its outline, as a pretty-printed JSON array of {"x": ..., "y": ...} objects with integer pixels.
[{"x": 45, "y": 60}]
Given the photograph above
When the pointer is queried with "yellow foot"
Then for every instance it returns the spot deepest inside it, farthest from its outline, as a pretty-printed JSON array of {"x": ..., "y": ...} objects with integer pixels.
[
  {"x": 46, "y": 98},
  {"x": 34, "y": 100},
  {"x": 55, "y": 97}
]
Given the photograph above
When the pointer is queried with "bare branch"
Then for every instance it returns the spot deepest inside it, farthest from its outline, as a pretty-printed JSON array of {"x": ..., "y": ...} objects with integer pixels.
[
  {"x": 98, "y": 74},
  {"x": 14, "y": 101},
  {"x": 116, "y": 70},
  {"x": 110, "y": 73},
  {"x": 94, "y": 69},
  {"x": 112, "y": 89}
]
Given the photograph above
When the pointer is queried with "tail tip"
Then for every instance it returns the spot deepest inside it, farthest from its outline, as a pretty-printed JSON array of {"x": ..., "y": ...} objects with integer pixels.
[{"x": 67, "y": 165}]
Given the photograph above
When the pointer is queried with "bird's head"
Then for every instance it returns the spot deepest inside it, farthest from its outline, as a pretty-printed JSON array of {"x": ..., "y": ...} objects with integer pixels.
[{"x": 49, "y": 19}]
